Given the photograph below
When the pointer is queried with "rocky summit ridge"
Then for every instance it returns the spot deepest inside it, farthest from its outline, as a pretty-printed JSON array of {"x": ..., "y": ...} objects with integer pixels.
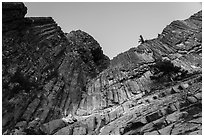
[{"x": 62, "y": 84}]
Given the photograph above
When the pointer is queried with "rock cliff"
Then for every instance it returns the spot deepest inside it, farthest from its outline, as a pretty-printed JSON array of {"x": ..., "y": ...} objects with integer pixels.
[
  {"x": 62, "y": 83},
  {"x": 44, "y": 70}
]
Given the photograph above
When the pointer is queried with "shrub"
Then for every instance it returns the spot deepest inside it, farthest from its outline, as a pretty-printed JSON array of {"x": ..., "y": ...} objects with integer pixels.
[
  {"x": 141, "y": 40},
  {"x": 165, "y": 68}
]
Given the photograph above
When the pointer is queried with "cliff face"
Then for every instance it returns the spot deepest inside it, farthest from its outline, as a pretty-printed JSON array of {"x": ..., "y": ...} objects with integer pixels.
[
  {"x": 130, "y": 98},
  {"x": 62, "y": 83},
  {"x": 44, "y": 70}
]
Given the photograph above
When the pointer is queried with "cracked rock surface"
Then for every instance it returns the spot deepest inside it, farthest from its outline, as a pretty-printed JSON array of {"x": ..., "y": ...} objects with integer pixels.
[{"x": 62, "y": 84}]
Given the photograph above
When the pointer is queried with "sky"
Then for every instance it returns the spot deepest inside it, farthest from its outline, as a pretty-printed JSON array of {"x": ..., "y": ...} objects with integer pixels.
[{"x": 115, "y": 25}]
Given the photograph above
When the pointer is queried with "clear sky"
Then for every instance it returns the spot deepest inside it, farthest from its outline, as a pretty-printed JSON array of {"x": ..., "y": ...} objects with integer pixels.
[{"x": 116, "y": 26}]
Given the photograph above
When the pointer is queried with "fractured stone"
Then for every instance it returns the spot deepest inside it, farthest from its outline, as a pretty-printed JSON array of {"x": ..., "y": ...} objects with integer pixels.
[{"x": 79, "y": 131}]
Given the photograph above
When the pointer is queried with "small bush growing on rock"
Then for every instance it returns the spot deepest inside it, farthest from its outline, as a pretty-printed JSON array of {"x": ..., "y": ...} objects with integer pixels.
[
  {"x": 166, "y": 69},
  {"x": 141, "y": 40}
]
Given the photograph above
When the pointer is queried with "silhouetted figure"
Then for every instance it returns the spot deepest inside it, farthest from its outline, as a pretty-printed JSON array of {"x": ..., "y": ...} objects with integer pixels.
[{"x": 141, "y": 40}]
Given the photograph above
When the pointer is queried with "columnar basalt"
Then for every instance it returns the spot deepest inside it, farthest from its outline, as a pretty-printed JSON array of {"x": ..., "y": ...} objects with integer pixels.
[
  {"x": 62, "y": 83},
  {"x": 44, "y": 70}
]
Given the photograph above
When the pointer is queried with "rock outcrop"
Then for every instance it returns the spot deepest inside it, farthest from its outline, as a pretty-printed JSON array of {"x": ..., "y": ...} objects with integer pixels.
[
  {"x": 62, "y": 83},
  {"x": 124, "y": 99},
  {"x": 44, "y": 70}
]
